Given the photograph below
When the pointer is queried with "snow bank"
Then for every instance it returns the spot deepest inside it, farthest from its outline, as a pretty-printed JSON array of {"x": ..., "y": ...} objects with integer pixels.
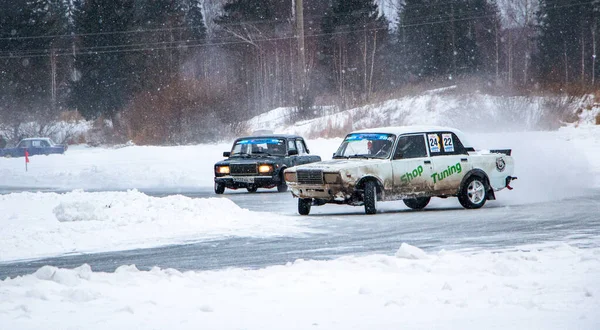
[
  {"x": 472, "y": 113},
  {"x": 81, "y": 167},
  {"x": 43, "y": 224},
  {"x": 535, "y": 288}
]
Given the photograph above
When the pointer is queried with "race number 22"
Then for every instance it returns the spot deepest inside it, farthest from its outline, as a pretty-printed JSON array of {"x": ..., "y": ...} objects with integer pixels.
[{"x": 448, "y": 143}]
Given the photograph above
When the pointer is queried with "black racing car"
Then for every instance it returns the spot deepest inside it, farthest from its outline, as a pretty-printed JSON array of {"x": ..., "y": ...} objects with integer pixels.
[{"x": 258, "y": 162}]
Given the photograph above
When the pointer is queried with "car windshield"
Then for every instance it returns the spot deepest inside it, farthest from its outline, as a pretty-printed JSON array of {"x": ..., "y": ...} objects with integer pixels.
[
  {"x": 366, "y": 145},
  {"x": 259, "y": 146}
]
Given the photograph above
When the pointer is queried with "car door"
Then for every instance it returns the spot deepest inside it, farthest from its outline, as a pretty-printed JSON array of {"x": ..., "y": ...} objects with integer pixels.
[
  {"x": 450, "y": 161},
  {"x": 411, "y": 166},
  {"x": 303, "y": 156},
  {"x": 36, "y": 148}
]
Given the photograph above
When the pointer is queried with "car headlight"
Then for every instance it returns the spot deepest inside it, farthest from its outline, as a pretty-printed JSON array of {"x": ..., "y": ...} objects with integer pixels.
[
  {"x": 265, "y": 168},
  {"x": 222, "y": 170},
  {"x": 290, "y": 176},
  {"x": 332, "y": 177}
]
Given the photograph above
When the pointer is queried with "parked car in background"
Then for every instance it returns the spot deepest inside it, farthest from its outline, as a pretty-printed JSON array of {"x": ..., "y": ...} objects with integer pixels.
[
  {"x": 412, "y": 163},
  {"x": 34, "y": 146},
  {"x": 259, "y": 161}
]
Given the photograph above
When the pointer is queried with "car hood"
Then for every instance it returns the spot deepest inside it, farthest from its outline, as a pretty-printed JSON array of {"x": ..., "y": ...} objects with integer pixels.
[{"x": 341, "y": 164}]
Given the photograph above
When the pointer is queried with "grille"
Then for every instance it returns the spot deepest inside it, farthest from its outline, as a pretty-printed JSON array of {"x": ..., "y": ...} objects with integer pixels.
[
  {"x": 242, "y": 169},
  {"x": 310, "y": 176}
]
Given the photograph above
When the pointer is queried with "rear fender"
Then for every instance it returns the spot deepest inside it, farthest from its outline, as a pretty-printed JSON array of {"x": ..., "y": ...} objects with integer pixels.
[{"x": 489, "y": 191}]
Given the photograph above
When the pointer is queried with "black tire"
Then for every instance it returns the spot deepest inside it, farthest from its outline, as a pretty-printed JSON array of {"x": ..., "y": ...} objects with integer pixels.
[
  {"x": 219, "y": 188},
  {"x": 304, "y": 205},
  {"x": 418, "y": 203},
  {"x": 282, "y": 186},
  {"x": 370, "y": 197},
  {"x": 252, "y": 189},
  {"x": 473, "y": 194}
]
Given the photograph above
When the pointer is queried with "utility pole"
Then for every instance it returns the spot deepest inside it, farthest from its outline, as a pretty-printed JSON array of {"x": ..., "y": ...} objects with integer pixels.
[
  {"x": 53, "y": 77},
  {"x": 301, "y": 55}
]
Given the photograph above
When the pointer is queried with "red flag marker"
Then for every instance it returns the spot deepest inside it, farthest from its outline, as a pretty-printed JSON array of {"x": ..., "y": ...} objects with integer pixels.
[{"x": 26, "y": 159}]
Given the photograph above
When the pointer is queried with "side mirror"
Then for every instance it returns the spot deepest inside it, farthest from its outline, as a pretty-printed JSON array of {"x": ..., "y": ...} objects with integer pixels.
[
  {"x": 226, "y": 153},
  {"x": 292, "y": 152}
]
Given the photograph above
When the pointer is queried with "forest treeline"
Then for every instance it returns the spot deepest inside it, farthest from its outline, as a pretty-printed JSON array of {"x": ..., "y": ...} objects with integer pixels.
[{"x": 181, "y": 71}]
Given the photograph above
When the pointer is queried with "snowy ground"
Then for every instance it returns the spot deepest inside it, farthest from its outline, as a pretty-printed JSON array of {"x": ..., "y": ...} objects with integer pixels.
[{"x": 555, "y": 286}]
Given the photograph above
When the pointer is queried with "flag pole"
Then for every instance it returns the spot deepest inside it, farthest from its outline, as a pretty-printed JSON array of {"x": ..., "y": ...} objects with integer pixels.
[{"x": 26, "y": 159}]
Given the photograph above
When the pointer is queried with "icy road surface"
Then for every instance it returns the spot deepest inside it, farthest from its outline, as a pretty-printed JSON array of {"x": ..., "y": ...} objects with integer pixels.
[{"x": 332, "y": 231}]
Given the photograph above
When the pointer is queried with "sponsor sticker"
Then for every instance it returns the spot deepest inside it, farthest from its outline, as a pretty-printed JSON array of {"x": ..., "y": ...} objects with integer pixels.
[
  {"x": 434, "y": 142},
  {"x": 500, "y": 164},
  {"x": 448, "y": 143}
]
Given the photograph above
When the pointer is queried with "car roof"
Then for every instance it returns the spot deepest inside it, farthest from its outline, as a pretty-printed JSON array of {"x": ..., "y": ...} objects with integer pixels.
[
  {"x": 30, "y": 139},
  {"x": 399, "y": 130},
  {"x": 271, "y": 136}
]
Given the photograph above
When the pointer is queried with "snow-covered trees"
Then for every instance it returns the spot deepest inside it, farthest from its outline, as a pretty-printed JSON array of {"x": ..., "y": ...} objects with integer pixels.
[
  {"x": 354, "y": 35},
  {"x": 568, "y": 40},
  {"x": 237, "y": 58}
]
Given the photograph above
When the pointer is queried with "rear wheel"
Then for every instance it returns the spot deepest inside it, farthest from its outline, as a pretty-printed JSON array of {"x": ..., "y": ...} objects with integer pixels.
[
  {"x": 473, "y": 193},
  {"x": 370, "y": 197},
  {"x": 418, "y": 203},
  {"x": 219, "y": 188},
  {"x": 304, "y": 205},
  {"x": 252, "y": 189}
]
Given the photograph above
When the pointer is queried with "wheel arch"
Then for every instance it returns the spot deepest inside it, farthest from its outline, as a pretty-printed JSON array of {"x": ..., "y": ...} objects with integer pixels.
[
  {"x": 489, "y": 191},
  {"x": 360, "y": 185}
]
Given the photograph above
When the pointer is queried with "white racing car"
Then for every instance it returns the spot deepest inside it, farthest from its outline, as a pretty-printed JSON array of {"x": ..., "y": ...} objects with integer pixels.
[{"x": 412, "y": 163}]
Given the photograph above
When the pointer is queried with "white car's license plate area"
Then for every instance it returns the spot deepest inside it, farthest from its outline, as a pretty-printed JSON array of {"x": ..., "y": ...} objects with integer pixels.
[{"x": 244, "y": 179}]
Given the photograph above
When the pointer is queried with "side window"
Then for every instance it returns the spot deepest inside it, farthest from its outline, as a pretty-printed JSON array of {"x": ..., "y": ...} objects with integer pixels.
[
  {"x": 445, "y": 143},
  {"x": 301, "y": 147},
  {"x": 44, "y": 144},
  {"x": 410, "y": 146},
  {"x": 291, "y": 145},
  {"x": 459, "y": 149},
  {"x": 36, "y": 143}
]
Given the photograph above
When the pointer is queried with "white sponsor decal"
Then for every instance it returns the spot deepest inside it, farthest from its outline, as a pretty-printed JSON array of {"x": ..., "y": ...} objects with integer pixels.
[
  {"x": 448, "y": 143},
  {"x": 434, "y": 142}
]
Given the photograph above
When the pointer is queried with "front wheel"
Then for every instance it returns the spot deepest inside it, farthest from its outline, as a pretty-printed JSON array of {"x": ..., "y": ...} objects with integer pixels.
[
  {"x": 473, "y": 194},
  {"x": 282, "y": 186},
  {"x": 304, "y": 205},
  {"x": 219, "y": 188},
  {"x": 418, "y": 203},
  {"x": 370, "y": 197}
]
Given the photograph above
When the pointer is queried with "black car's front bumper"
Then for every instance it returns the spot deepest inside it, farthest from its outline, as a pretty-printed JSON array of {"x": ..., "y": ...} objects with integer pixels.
[{"x": 236, "y": 182}]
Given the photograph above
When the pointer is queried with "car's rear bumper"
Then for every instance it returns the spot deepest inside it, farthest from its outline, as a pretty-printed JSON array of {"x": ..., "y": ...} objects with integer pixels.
[{"x": 235, "y": 182}]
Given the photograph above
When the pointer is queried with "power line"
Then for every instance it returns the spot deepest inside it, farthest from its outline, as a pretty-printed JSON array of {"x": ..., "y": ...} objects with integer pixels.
[
  {"x": 551, "y": 5},
  {"x": 187, "y": 43}
]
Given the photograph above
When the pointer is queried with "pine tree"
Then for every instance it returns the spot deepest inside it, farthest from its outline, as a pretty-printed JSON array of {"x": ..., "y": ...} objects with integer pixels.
[
  {"x": 258, "y": 54},
  {"x": 449, "y": 37},
  {"x": 566, "y": 42},
  {"x": 103, "y": 84},
  {"x": 354, "y": 33}
]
